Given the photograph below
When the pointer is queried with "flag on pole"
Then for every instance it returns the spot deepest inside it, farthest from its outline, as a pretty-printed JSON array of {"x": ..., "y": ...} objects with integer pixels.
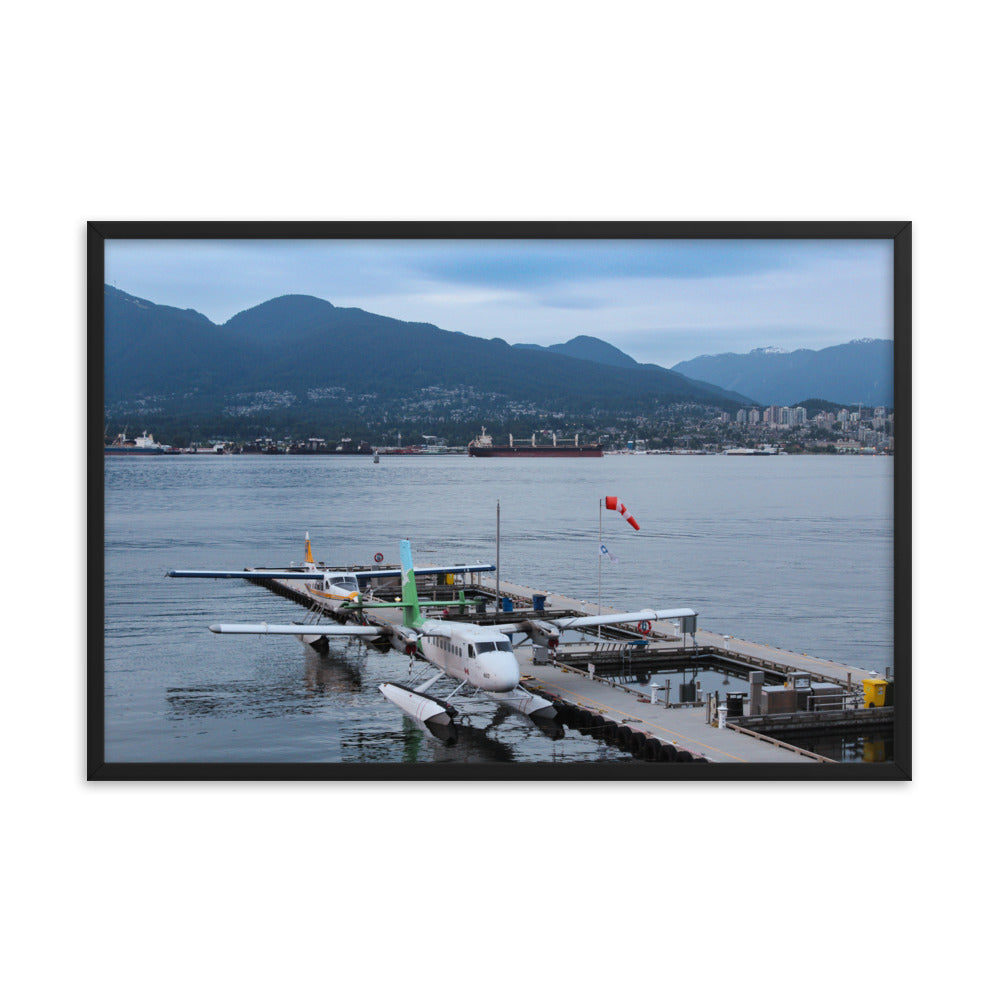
[
  {"x": 606, "y": 552},
  {"x": 613, "y": 503}
]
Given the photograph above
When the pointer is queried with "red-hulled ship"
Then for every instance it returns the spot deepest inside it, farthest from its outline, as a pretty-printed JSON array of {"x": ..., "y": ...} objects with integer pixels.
[{"x": 537, "y": 446}]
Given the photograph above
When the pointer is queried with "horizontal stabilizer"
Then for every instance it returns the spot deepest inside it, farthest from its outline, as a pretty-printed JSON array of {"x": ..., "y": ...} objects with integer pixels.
[
  {"x": 247, "y": 574},
  {"x": 371, "y": 574},
  {"x": 263, "y": 628}
]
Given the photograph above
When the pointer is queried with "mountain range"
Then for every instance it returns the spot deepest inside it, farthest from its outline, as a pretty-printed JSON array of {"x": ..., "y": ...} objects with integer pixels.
[
  {"x": 295, "y": 360},
  {"x": 858, "y": 372},
  {"x": 297, "y": 354}
]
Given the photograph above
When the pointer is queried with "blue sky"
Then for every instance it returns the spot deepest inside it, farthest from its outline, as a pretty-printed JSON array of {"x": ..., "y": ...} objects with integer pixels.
[{"x": 661, "y": 301}]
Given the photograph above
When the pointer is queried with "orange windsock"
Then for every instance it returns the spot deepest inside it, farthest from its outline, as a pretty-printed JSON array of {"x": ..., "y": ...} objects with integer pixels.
[{"x": 613, "y": 503}]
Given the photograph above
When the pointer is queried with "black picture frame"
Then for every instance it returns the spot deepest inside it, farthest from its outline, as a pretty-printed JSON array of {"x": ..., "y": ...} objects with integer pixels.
[{"x": 900, "y": 233}]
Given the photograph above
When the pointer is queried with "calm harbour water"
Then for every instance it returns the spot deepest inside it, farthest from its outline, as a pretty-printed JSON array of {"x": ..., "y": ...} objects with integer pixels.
[{"x": 791, "y": 551}]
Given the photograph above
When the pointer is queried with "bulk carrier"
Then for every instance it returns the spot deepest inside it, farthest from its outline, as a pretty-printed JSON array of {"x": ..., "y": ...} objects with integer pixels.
[{"x": 537, "y": 446}]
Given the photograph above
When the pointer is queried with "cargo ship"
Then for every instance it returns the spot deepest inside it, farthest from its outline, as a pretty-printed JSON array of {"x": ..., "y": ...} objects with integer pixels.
[{"x": 537, "y": 446}]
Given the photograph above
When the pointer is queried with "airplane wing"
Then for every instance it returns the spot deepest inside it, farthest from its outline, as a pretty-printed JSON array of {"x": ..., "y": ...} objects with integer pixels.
[
  {"x": 247, "y": 574},
  {"x": 620, "y": 618},
  {"x": 263, "y": 628},
  {"x": 292, "y": 574},
  {"x": 548, "y": 629}
]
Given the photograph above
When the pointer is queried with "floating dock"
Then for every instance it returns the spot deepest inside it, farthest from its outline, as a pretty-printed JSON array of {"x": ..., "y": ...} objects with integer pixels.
[{"x": 589, "y": 681}]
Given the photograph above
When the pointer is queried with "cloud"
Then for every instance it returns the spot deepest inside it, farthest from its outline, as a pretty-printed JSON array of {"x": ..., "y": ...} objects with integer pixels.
[{"x": 658, "y": 300}]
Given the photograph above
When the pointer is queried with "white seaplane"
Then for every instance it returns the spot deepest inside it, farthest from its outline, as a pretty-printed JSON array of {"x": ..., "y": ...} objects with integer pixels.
[{"x": 479, "y": 657}]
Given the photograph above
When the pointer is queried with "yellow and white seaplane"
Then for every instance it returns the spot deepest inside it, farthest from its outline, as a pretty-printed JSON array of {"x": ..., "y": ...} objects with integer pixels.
[
  {"x": 480, "y": 657},
  {"x": 329, "y": 588}
]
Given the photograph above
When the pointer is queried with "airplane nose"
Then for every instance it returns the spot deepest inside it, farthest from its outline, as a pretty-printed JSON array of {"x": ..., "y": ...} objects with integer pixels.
[{"x": 508, "y": 673}]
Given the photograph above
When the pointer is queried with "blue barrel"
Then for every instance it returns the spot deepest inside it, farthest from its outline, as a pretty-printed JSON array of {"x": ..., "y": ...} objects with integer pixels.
[
  {"x": 508, "y": 604},
  {"x": 538, "y": 602}
]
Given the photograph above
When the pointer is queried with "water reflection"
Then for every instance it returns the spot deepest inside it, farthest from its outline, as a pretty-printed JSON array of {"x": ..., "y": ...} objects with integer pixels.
[
  {"x": 334, "y": 670},
  {"x": 270, "y": 696},
  {"x": 869, "y": 746},
  {"x": 464, "y": 741},
  {"x": 470, "y": 737}
]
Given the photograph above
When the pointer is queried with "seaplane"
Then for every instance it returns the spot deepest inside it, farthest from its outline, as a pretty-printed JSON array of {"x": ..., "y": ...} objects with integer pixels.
[
  {"x": 329, "y": 588},
  {"x": 480, "y": 657}
]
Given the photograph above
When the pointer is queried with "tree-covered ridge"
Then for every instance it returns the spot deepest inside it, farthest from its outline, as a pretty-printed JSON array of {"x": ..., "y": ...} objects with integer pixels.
[{"x": 297, "y": 361}]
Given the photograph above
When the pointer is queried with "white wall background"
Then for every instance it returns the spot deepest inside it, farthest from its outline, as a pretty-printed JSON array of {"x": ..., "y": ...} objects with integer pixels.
[{"x": 542, "y": 110}]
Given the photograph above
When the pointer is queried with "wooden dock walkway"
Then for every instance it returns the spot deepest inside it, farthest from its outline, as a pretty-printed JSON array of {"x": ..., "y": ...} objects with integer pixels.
[{"x": 686, "y": 728}]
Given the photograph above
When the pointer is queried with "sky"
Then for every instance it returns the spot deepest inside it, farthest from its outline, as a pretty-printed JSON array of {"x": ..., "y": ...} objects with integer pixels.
[{"x": 660, "y": 301}]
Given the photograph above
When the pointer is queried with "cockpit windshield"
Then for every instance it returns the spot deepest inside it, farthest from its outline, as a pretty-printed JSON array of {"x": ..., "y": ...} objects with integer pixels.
[{"x": 501, "y": 645}]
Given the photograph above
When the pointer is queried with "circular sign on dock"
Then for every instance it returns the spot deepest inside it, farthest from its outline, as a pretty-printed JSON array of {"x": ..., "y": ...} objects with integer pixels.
[
  {"x": 379, "y": 557},
  {"x": 645, "y": 627}
]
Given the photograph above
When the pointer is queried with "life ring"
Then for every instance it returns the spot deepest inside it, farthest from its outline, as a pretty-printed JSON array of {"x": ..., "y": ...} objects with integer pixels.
[
  {"x": 645, "y": 627},
  {"x": 379, "y": 557}
]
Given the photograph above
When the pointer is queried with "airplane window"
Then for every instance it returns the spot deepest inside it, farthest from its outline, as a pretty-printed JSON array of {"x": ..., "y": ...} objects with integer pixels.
[
  {"x": 505, "y": 647},
  {"x": 472, "y": 652},
  {"x": 486, "y": 647}
]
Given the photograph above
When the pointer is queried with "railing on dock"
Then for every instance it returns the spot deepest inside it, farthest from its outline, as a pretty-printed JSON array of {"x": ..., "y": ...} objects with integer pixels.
[{"x": 779, "y": 743}]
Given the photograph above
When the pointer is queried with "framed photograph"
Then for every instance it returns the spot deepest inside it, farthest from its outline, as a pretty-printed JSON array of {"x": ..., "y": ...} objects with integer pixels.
[{"x": 497, "y": 500}]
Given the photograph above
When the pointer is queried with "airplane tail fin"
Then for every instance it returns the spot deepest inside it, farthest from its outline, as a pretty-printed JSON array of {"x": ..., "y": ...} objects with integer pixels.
[
  {"x": 411, "y": 604},
  {"x": 309, "y": 551}
]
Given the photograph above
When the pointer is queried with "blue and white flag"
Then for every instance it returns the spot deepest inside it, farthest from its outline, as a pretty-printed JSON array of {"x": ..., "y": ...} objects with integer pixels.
[{"x": 606, "y": 552}]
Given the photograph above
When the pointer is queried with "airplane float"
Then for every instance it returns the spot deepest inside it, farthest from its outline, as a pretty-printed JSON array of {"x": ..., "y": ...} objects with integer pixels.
[{"x": 480, "y": 657}]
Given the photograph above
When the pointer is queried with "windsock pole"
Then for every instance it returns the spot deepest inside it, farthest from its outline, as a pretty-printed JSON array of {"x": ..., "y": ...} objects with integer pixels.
[
  {"x": 612, "y": 503},
  {"x": 600, "y": 542}
]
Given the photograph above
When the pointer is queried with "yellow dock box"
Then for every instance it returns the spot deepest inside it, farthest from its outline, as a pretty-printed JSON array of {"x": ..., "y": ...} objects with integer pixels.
[
  {"x": 450, "y": 579},
  {"x": 875, "y": 692}
]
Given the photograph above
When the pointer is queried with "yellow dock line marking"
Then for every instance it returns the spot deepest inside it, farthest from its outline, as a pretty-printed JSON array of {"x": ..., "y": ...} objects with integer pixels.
[{"x": 662, "y": 729}]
